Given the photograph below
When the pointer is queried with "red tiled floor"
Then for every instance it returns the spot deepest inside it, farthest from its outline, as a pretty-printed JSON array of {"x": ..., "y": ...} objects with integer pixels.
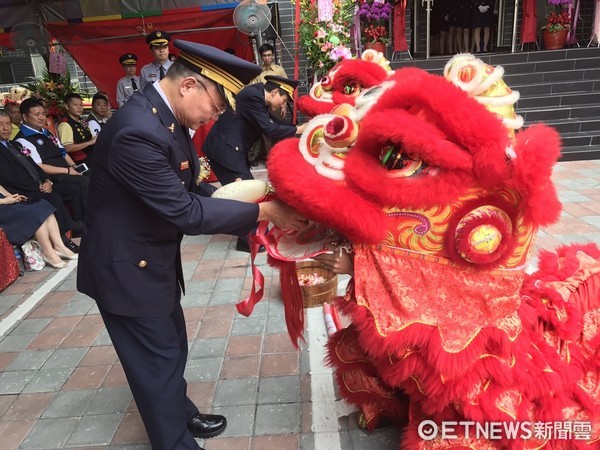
[
  {"x": 229, "y": 443},
  {"x": 115, "y": 377},
  {"x": 305, "y": 388},
  {"x": 5, "y": 402},
  {"x": 20, "y": 287},
  {"x": 202, "y": 274},
  {"x": 80, "y": 338},
  {"x": 6, "y": 359},
  {"x": 202, "y": 394},
  {"x": 214, "y": 328},
  {"x": 99, "y": 356},
  {"x": 279, "y": 364},
  {"x": 194, "y": 314},
  {"x": 87, "y": 377},
  {"x": 48, "y": 341},
  {"x": 131, "y": 430},
  {"x": 91, "y": 322},
  {"x": 278, "y": 343},
  {"x": 220, "y": 238},
  {"x": 60, "y": 324},
  {"x": 307, "y": 419},
  {"x": 28, "y": 406},
  {"x": 243, "y": 345},
  {"x": 275, "y": 442},
  {"x": 191, "y": 329},
  {"x": 236, "y": 262},
  {"x": 59, "y": 297},
  {"x": 232, "y": 273},
  {"x": 13, "y": 433},
  {"x": 49, "y": 310},
  {"x": 223, "y": 312},
  {"x": 240, "y": 367}
]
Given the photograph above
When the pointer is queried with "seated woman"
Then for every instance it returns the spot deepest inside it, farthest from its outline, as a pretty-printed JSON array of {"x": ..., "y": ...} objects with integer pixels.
[{"x": 21, "y": 218}]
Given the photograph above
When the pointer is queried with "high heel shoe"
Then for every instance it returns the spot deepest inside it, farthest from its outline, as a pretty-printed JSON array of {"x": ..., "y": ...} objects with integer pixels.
[
  {"x": 63, "y": 256},
  {"x": 60, "y": 265}
]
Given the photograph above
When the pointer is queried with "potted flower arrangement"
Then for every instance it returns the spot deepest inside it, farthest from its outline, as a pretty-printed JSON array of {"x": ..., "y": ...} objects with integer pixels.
[
  {"x": 374, "y": 19},
  {"x": 325, "y": 42},
  {"x": 375, "y": 37},
  {"x": 558, "y": 24},
  {"x": 52, "y": 88}
]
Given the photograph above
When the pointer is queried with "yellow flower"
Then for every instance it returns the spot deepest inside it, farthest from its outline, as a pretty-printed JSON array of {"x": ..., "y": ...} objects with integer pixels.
[{"x": 50, "y": 85}]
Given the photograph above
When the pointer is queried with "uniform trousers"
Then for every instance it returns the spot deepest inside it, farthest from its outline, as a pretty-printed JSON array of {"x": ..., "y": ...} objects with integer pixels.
[
  {"x": 153, "y": 352},
  {"x": 81, "y": 185},
  {"x": 226, "y": 175}
]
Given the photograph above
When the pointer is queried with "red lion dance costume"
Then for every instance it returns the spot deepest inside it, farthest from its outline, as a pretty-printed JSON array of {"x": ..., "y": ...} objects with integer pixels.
[{"x": 441, "y": 200}]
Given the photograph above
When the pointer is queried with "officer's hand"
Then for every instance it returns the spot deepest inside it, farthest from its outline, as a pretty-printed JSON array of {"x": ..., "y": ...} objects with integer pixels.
[
  {"x": 282, "y": 215},
  {"x": 300, "y": 128}
]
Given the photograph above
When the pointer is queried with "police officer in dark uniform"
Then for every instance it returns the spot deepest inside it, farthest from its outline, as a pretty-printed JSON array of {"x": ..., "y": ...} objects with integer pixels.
[
  {"x": 230, "y": 139},
  {"x": 141, "y": 204}
]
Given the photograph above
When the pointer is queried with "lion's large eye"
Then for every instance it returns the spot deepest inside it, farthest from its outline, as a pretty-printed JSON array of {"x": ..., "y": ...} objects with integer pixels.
[
  {"x": 367, "y": 98},
  {"x": 352, "y": 88}
]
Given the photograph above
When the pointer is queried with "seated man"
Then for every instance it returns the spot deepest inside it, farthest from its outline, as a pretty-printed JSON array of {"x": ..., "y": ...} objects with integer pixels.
[
  {"x": 12, "y": 108},
  {"x": 100, "y": 113},
  {"x": 46, "y": 150},
  {"x": 74, "y": 133},
  {"x": 20, "y": 174}
]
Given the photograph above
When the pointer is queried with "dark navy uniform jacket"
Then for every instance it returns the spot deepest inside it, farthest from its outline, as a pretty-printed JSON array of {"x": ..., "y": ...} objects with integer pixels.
[
  {"x": 231, "y": 136},
  {"x": 140, "y": 206}
]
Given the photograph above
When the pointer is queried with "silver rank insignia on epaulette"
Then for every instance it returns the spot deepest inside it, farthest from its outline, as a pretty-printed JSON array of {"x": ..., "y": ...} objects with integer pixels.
[{"x": 172, "y": 128}]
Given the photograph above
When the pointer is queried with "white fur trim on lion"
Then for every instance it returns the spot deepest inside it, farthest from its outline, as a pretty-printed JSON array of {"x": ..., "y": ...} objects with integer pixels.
[
  {"x": 249, "y": 191},
  {"x": 510, "y": 153},
  {"x": 314, "y": 130}
]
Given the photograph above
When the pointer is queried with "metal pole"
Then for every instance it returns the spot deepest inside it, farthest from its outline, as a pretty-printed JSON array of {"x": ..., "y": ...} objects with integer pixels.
[
  {"x": 415, "y": 34},
  {"x": 500, "y": 28},
  {"x": 427, "y": 38},
  {"x": 513, "y": 46}
]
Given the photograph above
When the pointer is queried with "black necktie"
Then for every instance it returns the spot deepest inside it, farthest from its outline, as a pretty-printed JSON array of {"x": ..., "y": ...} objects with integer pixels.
[
  {"x": 133, "y": 84},
  {"x": 23, "y": 161},
  {"x": 162, "y": 72}
]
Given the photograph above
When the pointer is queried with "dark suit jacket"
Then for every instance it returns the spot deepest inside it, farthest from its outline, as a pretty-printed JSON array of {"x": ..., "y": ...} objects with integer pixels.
[
  {"x": 14, "y": 176},
  {"x": 231, "y": 136},
  {"x": 139, "y": 207}
]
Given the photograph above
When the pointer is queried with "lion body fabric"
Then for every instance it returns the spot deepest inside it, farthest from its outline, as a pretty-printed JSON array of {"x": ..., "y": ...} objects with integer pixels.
[{"x": 446, "y": 325}]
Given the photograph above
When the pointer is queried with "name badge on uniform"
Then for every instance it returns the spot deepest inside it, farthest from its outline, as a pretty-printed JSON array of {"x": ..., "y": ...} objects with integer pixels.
[
  {"x": 151, "y": 75},
  {"x": 184, "y": 165}
]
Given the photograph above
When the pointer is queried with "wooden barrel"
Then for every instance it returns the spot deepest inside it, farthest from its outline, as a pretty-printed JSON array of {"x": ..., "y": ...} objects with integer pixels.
[{"x": 317, "y": 294}]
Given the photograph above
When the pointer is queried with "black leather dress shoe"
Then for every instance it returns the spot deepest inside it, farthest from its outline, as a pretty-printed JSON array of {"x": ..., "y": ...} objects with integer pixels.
[
  {"x": 72, "y": 246},
  {"x": 242, "y": 246},
  {"x": 207, "y": 425}
]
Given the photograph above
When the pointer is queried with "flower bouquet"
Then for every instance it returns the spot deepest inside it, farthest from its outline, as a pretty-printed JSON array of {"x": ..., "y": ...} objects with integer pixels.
[
  {"x": 52, "y": 89},
  {"x": 325, "y": 42}
]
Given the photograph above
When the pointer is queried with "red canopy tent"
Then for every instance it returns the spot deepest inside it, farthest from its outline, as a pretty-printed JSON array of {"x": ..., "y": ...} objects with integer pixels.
[{"x": 95, "y": 34}]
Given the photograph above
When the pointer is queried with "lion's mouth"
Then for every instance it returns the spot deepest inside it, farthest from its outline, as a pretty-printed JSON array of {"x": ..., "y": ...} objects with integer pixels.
[{"x": 401, "y": 165}]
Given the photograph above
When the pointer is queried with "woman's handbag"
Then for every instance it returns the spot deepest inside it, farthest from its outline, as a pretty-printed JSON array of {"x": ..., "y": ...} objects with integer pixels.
[
  {"x": 9, "y": 267},
  {"x": 32, "y": 255}
]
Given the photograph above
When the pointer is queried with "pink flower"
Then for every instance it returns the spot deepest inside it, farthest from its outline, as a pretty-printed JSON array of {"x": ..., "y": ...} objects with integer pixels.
[{"x": 25, "y": 151}]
